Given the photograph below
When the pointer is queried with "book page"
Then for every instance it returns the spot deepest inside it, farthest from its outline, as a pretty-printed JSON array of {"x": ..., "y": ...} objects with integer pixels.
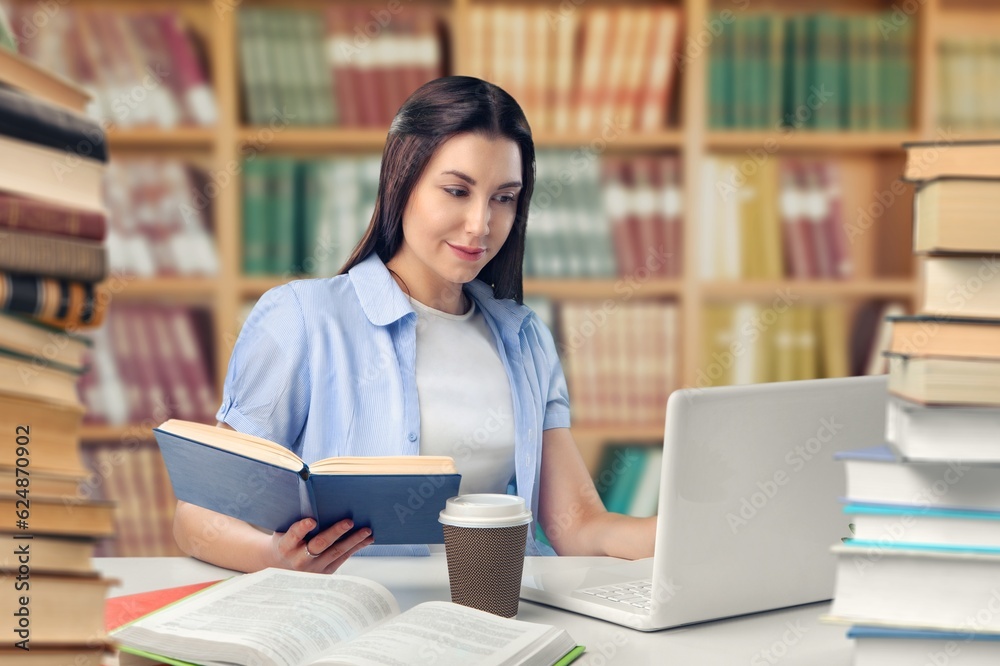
[
  {"x": 285, "y": 617},
  {"x": 443, "y": 634},
  {"x": 384, "y": 465}
]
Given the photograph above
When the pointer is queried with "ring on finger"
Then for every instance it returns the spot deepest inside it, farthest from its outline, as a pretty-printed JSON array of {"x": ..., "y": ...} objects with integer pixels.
[{"x": 309, "y": 552}]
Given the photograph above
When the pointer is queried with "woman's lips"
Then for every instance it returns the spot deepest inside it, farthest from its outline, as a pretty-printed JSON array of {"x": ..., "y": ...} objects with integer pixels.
[{"x": 467, "y": 253}]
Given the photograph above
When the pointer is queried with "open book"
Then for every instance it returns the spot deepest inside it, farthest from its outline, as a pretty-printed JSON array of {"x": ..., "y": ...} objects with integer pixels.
[
  {"x": 292, "y": 618},
  {"x": 265, "y": 484}
]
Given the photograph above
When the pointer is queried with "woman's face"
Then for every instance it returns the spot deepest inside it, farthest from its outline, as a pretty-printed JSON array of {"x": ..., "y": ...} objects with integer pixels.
[{"x": 462, "y": 208}]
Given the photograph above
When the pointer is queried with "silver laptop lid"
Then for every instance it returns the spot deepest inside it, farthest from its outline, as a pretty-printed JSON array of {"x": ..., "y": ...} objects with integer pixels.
[{"x": 749, "y": 493}]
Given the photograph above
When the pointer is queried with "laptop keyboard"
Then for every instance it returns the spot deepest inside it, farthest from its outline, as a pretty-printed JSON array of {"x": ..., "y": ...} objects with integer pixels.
[{"x": 638, "y": 594}]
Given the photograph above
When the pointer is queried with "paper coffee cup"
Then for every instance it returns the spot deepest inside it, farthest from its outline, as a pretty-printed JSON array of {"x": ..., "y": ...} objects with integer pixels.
[{"x": 484, "y": 538}]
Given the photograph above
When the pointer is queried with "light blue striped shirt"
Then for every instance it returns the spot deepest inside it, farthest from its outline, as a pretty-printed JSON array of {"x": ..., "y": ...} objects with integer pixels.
[{"x": 326, "y": 367}]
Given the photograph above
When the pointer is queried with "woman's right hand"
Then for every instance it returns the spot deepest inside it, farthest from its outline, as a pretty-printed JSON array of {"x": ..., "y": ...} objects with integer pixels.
[{"x": 323, "y": 553}]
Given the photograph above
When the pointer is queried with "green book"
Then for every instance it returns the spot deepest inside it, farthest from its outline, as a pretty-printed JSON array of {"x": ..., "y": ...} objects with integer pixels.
[
  {"x": 281, "y": 227},
  {"x": 332, "y": 618},
  {"x": 255, "y": 216}
]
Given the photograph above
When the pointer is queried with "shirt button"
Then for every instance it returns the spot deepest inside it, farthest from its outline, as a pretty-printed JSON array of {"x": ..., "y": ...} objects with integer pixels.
[{"x": 412, "y": 436}]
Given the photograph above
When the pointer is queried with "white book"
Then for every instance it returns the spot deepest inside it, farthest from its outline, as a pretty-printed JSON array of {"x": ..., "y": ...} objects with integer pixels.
[
  {"x": 288, "y": 618},
  {"x": 875, "y": 475},
  {"x": 943, "y": 433},
  {"x": 887, "y": 646},
  {"x": 922, "y": 588}
]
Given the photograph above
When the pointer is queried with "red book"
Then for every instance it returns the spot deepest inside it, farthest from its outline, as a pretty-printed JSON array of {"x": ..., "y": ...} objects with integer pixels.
[
  {"x": 340, "y": 48},
  {"x": 828, "y": 177},
  {"x": 119, "y": 611},
  {"x": 35, "y": 215},
  {"x": 196, "y": 93},
  {"x": 794, "y": 222}
]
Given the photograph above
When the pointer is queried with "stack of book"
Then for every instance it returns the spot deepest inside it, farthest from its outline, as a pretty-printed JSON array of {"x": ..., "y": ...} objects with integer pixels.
[
  {"x": 51, "y": 220},
  {"x": 922, "y": 575}
]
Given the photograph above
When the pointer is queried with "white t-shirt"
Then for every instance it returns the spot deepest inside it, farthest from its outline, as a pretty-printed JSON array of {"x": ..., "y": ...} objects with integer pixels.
[{"x": 465, "y": 399}]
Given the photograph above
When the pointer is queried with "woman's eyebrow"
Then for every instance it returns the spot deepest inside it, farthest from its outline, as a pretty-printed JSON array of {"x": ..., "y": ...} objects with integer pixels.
[{"x": 472, "y": 181}]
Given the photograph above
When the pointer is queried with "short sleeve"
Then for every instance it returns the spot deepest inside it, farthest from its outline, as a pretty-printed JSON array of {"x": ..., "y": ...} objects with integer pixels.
[
  {"x": 266, "y": 392},
  {"x": 557, "y": 397}
]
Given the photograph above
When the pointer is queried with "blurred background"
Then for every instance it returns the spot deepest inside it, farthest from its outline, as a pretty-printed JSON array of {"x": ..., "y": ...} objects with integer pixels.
[{"x": 717, "y": 197}]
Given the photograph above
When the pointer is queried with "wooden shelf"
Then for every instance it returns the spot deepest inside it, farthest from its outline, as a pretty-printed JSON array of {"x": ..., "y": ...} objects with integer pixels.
[
  {"x": 901, "y": 288},
  {"x": 187, "y": 288},
  {"x": 254, "y": 287},
  {"x": 312, "y": 140},
  {"x": 618, "y": 288},
  {"x": 812, "y": 140},
  {"x": 331, "y": 139},
  {"x": 179, "y": 138}
]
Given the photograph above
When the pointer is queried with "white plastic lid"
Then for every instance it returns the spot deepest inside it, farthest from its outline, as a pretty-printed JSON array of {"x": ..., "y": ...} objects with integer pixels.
[{"x": 485, "y": 510}]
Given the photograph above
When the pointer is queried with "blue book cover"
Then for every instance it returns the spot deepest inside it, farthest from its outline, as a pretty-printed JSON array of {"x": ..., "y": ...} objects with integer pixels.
[
  {"x": 880, "y": 453},
  {"x": 399, "y": 508},
  {"x": 861, "y": 631}
]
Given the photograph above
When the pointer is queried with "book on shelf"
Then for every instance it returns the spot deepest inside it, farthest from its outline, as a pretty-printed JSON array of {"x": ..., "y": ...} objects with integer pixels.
[
  {"x": 892, "y": 646},
  {"x": 783, "y": 220},
  {"x": 967, "y": 65},
  {"x": 926, "y": 587},
  {"x": 927, "y": 160},
  {"x": 943, "y": 432},
  {"x": 346, "y": 620},
  {"x": 763, "y": 68},
  {"x": 605, "y": 65},
  {"x": 159, "y": 219},
  {"x": 144, "y": 502},
  {"x": 107, "y": 51},
  {"x": 878, "y": 475},
  {"x": 48, "y": 554},
  {"x": 265, "y": 484},
  {"x": 64, "y": 609},
  {"x": 957, "y": 215},
  {"x": 956, "y": 529},
  {"x": 945, "y": 380}
]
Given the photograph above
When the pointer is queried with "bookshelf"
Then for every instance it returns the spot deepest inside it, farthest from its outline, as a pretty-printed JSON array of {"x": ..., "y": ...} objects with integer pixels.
[{"x": 871, "y": 161}]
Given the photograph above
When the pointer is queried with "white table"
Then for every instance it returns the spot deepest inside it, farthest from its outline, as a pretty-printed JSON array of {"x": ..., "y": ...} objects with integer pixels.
[{"x": 793, "y": 637}]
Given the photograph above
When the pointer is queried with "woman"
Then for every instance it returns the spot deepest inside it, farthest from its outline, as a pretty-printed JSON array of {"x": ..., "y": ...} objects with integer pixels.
[{"x": 429, "y": 307}]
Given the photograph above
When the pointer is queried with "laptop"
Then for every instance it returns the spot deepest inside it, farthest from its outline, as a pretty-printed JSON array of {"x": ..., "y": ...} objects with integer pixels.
[{"x": 748, "y": 506}]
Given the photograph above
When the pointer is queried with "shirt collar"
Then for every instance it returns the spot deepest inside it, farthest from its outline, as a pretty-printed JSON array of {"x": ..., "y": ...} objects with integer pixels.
[{"x": 383, "y": 302}]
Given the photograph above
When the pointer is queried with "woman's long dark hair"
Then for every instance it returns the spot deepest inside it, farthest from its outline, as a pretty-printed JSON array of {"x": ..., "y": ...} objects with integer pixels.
[{"x": 437, "y": 111}]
